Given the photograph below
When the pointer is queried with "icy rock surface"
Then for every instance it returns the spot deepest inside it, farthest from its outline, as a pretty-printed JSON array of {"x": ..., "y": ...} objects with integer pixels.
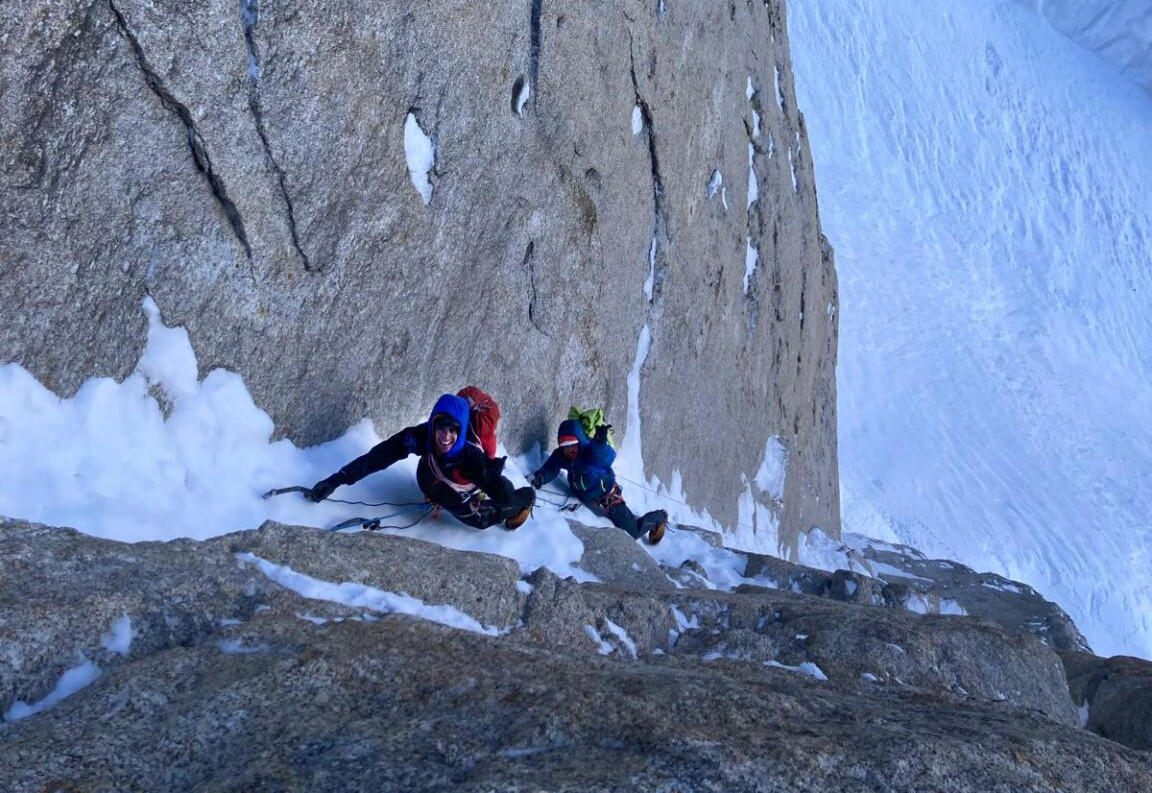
[{"x": 545, "y": 682}]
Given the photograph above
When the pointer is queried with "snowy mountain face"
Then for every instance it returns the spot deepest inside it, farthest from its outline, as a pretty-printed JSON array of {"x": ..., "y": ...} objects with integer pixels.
[
  {"x": 1119, "y": 31},
  {"x": 986, "y": 185}
]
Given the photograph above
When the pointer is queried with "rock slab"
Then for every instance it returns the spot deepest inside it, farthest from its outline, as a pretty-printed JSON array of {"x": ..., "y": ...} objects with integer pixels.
[{"x": 570, "y": 686}]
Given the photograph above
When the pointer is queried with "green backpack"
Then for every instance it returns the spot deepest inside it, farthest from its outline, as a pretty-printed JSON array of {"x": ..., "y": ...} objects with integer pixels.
[{"x": 590, "y": 419}]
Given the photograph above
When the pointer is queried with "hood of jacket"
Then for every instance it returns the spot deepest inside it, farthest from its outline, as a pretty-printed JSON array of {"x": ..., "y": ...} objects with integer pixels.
[{"x": 456, "y": 408}]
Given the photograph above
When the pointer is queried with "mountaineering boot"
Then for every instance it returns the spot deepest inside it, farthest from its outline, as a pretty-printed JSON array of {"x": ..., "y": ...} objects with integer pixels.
[
  {"x": 520, "y": 508},
  {"x": 654, "y": 522},
  {"x": 517, "y": 520}
]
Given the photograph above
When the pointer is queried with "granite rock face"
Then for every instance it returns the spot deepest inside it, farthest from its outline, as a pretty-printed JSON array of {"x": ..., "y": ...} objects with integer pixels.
[
  {"x": 1114, "y": 696},
  {"x": 914, "y": 581},
  {"x": 558, "y": 685},
  {"x": 899, "y": 576},
  {"x": 245, "y": 165}
]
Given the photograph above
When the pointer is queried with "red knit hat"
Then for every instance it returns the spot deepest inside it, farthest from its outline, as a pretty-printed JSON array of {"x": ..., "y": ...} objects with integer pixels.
[{"x": 569, "y": 433}]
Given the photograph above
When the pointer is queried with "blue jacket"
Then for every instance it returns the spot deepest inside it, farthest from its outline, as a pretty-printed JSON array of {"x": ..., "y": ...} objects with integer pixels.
[{"x": 590, "y": 475}]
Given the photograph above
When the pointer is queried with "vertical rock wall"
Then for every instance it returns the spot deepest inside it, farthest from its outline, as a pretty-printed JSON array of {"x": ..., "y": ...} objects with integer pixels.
[{"x": 244, "y": 164}]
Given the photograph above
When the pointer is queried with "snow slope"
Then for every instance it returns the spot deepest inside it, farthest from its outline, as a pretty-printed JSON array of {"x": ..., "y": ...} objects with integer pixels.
[
  {"x": 1119, "y": 31},
  {"x": 164, "y": 454},
  {"x": 985, "y": 183}
]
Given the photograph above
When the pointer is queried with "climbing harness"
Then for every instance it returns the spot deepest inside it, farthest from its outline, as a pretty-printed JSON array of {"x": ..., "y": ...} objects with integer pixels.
[{"x": 465, "y": 490}]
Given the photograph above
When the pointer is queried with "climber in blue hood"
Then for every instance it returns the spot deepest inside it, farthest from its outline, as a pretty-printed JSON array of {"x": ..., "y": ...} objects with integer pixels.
[{"x": 452, "y": 473}]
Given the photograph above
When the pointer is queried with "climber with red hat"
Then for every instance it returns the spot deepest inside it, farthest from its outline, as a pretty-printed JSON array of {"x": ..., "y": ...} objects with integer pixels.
[
  {"x": 592, "y": 480},
  {"x": 452, "y": 473}
]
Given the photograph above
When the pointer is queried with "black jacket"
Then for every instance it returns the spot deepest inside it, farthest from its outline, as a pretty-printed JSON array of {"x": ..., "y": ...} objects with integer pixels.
[{"x": 442, "y": 479}]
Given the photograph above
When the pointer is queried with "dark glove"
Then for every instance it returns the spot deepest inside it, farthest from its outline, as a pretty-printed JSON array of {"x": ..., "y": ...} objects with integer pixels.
[
  {"x": 537, "y": 481},
  {"x": 602, "y": 432},
  {"x": 494, "y": 467},
  {"x": 325, "y": 487}
]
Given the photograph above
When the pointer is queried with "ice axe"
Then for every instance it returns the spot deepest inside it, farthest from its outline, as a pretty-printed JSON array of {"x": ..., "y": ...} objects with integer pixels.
[{"x": 279, "y": 491}]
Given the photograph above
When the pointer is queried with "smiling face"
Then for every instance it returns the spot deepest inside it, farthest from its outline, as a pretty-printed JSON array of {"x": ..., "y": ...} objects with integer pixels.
[
  {"x": 446, "y": 438},
  {"x": 445, "y": 431}
]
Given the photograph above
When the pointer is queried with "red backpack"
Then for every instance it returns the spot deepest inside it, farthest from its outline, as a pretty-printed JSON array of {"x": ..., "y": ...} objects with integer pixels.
[{"x": 483, "y": 416}]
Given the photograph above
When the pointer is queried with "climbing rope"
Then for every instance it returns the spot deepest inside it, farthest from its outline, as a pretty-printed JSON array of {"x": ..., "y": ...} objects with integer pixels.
[
  {"x": 378, "y": 504},
  {"x": 653, "y": 492},
  {"x": 376, "y": 523},
  {"x": 560, "y": 505},
  {"x": 307, "y": 492}
]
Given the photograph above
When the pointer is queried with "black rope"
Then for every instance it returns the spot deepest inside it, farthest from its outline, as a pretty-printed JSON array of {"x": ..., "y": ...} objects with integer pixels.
[
  {"x": 549, "y": 502},
  {"x": 379, "y": 526},
  {"x": 374, "y": 524},
  {"x": 380, "y": 504}
]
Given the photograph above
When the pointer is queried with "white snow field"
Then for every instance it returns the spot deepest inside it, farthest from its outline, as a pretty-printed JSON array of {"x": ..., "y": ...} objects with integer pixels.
[
  {"x": 987, "y": 186},
  {"x": 1120, "y": 31}
]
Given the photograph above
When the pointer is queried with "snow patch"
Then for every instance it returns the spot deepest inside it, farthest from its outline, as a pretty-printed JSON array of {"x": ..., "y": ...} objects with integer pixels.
[
  {"x": 773, "y": 468},
  {"x": 521, "y": 98},
  {"x": 119, "y": 637},
  {"x": 806, "y": 668},
  {"x": 753, "y": 184},
  {"x": 714, "y": 183},
  {"x": 622, "y": 635},
  {"x": 952, "y": 607},
  {"x": 420, "y": 152},
  {"x": 682, "y": 621},
  {"x": 918, "y": 604},
  {"x": 650, "y": 280},
  {"x": 751, "y": 257},
  {"x": 602, "y": 647},
  {"x": 363, "y": 596},
  {"x": 75, "y": 679}
]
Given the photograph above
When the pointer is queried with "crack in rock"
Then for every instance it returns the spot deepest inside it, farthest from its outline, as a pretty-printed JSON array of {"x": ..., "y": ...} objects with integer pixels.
[
  {"x": 250, "y": 12},
  {"x": 529, "y": 264},
  {"x": 196, "y": 143},
  {"x": 660, "y": 226},
  {"x": 534, "y": 51}
]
